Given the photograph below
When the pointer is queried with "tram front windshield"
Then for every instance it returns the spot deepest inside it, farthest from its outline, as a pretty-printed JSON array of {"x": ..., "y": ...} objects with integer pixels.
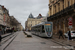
[{"x": 48, "y": 28}]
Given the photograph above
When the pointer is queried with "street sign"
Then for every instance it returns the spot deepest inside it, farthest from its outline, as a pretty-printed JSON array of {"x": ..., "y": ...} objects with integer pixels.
[
  {"x": 70, "y": 23},
  {"x": 70, "y": 27},
  {"x": 70, "y": 18}
]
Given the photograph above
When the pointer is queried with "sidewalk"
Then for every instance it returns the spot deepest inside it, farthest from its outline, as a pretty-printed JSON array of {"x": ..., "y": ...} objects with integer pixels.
[
  {"x": 57, "y": 37},
  {"x": 65, "y": 40}
]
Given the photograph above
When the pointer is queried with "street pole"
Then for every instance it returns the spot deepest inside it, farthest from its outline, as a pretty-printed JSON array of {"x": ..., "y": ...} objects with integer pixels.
[{"x": 70, "y": 29}]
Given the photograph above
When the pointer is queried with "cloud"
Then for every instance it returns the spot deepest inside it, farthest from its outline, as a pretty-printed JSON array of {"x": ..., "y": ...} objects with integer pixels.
[{"x": 21, "y": 9}]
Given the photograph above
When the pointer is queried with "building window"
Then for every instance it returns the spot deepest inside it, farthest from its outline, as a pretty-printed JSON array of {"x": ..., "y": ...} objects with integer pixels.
[
  {"x": 50, "y": 11},
  {"x": 50, "y": 0},
  {"x": 55, "y": 8},
  {"x": 63, "y": 4},
  {"x": 68, "y": 3},
  {"x": 31, "y": 24},
  {"x": 58, "y": 7}
]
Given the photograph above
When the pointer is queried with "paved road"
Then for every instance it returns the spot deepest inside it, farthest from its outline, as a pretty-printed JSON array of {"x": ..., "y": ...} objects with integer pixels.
[{"x": 21, "y": 42}]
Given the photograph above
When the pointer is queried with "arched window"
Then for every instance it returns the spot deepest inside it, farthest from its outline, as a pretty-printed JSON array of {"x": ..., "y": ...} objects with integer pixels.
[
  {"x": 50, "y": 11},
  {"x": 68, "y": 3},
  {"x": 58, "y": 7},
  {"x": 63, "y": 4},
  {"x": 55, "y": 8}
]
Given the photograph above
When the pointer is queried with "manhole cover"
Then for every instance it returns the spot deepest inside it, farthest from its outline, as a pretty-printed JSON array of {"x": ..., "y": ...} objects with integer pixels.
[{"x": 43, "y": 43}]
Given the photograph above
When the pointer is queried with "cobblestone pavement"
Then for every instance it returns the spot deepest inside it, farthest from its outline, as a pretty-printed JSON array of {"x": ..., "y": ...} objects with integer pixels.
[{"x": 21, "y": 42}]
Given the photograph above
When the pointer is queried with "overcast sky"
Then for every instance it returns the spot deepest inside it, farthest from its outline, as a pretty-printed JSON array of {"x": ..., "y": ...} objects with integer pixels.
[{"x": 21, "y": 9}]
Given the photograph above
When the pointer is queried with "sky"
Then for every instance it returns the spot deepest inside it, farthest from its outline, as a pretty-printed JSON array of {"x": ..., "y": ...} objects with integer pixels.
[{"x": 21, "y": 9}]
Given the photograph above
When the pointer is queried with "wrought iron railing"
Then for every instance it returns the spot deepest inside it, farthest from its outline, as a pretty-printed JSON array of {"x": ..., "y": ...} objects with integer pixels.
[
  {"x": 54, "y": 2},
  {"x": 66, "y": 10}
]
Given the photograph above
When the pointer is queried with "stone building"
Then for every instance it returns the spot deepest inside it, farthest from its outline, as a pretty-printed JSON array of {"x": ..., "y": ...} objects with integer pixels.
[
  {"x": 14, "y": 23},
  {"x": 6, "y": 17},
  {"x": 31, "y": 21},
  {"x": 1, "y": 16},
  {"x": 25, "y": 25},
  {"x": 20, "y": 27},
  {"x": 59, "y": 12},
  {"x": 7, "y": 21}
]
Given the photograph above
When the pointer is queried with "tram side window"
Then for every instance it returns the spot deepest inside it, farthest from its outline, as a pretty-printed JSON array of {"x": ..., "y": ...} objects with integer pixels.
[
  {"x": 43, "y": 30},
  {"x": 39, "y": 29},
  {"x": 32, "y": 29}
]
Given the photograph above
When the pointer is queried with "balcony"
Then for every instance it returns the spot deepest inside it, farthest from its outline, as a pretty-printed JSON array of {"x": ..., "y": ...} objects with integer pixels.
[
  {"x": 64, "y": 11},
  {"x": 53, "y": 2}
]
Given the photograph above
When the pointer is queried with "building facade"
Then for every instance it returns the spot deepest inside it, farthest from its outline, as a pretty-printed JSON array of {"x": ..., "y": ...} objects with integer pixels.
[
  {"x": 6, "y": 21},
  {"x": 6, "y": 17},
  {"x": 1, "y": 15},
  {"x": 31, "y": 21},
  {"x": 14, "y": 23},
  {"x": 21, "y": 28},
  {"x": 25, "y": 25},
  {"x": 59, "y": 12}
]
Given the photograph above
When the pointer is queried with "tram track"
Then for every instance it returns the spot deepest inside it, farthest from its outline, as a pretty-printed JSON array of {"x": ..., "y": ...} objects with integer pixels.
[
  {"x": 6, "y": 38},
  {"x": 10, "y": 41}
]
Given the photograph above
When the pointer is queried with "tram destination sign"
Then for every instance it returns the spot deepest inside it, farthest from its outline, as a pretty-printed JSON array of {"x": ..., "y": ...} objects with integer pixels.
[{"x": 47, "y": 24}]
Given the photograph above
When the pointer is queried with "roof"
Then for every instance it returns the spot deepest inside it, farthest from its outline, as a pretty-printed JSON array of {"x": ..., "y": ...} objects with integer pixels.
[
  {"x": 31, "y": 16},
  {"x": 39, "y": 16},
  {"x": 0, "y": 7}
]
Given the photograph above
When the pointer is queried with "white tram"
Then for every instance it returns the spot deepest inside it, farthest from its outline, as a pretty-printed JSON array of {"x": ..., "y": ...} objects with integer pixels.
[{"x": 44, "y": 29}]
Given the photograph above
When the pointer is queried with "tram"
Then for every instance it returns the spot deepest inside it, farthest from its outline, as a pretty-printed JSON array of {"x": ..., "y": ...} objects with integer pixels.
[{"x": 44, "y": 29}]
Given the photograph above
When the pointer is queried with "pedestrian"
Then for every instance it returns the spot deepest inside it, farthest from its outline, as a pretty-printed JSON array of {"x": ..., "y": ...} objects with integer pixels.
[
  {"x": 12, "y": 30},
  {"x": 69, "y": 36},
  {"x": 0, "y": 36},
  {"x": 60, "y": 34},
  {"x": 5, "y": 30}
]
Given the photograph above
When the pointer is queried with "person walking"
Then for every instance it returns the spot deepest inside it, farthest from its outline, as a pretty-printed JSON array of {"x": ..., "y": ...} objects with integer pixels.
[
  {"x": 5, "y": 30},
  {"x": 60, "y": 34},
  {"x": 0, "y": 36},
  {"x": 69, "y": 36},
  {"x": 12, "y": 30}
]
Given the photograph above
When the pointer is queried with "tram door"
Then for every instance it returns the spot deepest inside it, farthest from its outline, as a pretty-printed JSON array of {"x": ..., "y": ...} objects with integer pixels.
[{"x": 40, "y": 28}]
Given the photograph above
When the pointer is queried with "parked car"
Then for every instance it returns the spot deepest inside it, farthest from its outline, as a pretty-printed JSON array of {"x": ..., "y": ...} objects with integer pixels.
[{"x": 72, "y": 34}]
